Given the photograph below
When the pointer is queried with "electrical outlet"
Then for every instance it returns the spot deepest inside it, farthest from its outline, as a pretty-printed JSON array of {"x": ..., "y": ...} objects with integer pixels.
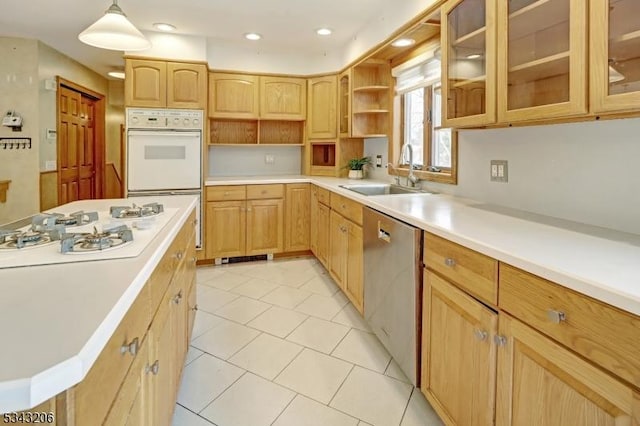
[
  {"x": 499, "y": 171},
  {"x": 269, "y": 159},
  {"x": 379, "y": 160}
]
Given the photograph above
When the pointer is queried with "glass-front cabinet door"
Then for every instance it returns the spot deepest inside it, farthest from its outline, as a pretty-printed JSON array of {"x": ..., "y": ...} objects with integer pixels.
[
  {"x": 542, "y": 51},
  {"x": 615, "y": 55},
  {"x": 468, "y": 63}
]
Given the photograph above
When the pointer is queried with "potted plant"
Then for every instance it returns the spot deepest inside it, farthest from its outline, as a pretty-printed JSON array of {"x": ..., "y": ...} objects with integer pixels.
[{"x": 355, "y": 166}]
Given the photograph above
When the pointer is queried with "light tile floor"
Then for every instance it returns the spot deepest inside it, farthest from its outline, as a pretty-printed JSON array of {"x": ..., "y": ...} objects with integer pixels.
[{"x": 277, "y": 343}]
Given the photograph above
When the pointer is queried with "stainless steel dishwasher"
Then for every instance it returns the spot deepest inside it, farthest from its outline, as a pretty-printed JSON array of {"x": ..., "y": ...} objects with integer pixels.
[{"x": 392, "y": 287}]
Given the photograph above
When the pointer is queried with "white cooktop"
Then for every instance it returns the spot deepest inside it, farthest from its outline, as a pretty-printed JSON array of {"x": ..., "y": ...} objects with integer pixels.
[{"x": 144, "y": 230}]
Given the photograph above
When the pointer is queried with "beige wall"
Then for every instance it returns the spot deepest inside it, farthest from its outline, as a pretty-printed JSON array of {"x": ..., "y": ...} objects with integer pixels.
[
  {"x": 115, "y": 117},
  {"x": 19, "y": 91}
]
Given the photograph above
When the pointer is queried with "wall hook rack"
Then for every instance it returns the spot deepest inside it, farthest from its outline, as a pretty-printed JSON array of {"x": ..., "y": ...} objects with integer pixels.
[{"x": 15, "y": 143}]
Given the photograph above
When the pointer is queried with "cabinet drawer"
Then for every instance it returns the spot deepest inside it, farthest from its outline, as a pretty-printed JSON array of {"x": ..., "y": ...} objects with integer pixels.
[
  {"x": 347, "y": 208},
  {"x": 324, "y": 196},
  {"x": 470, "y": 270},
  {"x": 94, "y": 395},
  {"x": 263, "y": 192},
  {"x": 601, "y": 333},
  {"x": 226, "y": 193}
]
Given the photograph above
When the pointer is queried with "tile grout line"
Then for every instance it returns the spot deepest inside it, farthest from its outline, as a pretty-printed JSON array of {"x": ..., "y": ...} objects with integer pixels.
[
  {"x": 222, "y": 393},
  {"x": 406, "y": 407},
  {"x": 196, "y": 414},
  {"x": 285, "y": 408}
]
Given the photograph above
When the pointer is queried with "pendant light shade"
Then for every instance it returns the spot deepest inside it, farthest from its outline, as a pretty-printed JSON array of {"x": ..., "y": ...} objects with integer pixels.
[{"x": 114, "y": 32}]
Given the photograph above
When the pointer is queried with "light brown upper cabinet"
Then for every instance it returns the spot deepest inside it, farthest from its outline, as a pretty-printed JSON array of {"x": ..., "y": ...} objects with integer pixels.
[
  {"x": 542, "y": 51},
  {"x": 283, "y": 98},
  {"x": 615, "y": 55},
  {"x": 468, "y": 63},
  {"x": 145, "y": 83},
  {"x": 344, "y": 103},
  {"x": 186, "y": 85},
  {"x": 321, "y": 109},
  {"x": 233, "y": 96},
  {"x": 160, "y": 84}
]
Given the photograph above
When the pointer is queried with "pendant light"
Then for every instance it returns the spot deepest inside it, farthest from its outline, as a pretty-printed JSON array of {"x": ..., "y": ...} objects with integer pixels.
[{"x": 114, "y": 32}]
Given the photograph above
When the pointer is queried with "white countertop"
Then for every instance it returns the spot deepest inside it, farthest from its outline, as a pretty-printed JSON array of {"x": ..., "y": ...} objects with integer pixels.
[
  {"x": 56, "y": 319},
  {"x": 597, "y": 262}
]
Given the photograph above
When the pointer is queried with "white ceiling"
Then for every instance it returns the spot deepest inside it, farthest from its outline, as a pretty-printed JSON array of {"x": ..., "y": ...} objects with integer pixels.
[{"x": 284, "y": 24}]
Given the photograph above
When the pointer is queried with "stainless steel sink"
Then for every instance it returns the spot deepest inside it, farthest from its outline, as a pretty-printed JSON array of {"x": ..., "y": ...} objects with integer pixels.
[{"x": 381, "y": 189}]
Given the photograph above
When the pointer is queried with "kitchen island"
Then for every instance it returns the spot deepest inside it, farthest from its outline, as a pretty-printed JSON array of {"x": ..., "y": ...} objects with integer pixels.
[{"x": 58, "y": 320}]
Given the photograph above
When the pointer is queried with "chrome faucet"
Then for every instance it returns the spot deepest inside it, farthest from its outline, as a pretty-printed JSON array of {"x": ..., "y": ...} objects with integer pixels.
[{"x": 412, "y": 179}]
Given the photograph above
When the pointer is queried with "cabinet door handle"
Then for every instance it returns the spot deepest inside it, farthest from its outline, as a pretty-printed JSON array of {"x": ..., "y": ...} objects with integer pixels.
[
  {"x": 132, "y": 348},
  {"x": 153, "y": 368},
  {"x": 343, "y": 206},
  {"x": 179, "y": 255},
  {"x": 481, "y": 335},
  {"x": 177, "y": 298},
  {"x": 264, "y": 191},
  {"x": 450, "y": 262},
  {"x": 226, "y": 193},
  {"x": 500, "y": 340},
  {"x": 194, "y": 260},
  {"x": 556, "y": 317},
  {"x": 195, "y": 307},
  {"x": 343, "y": 229},
  {"x": 248, "y": 209}
]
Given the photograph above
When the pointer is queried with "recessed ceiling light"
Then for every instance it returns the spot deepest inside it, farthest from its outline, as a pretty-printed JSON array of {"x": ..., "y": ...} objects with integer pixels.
[
  {"x": 474, "y": 56},
  {"x": 252, "y": 36},
  {"x": 116, "y": 74},
  {"x": 323, "y": 31},
  {"x": 161, "y": 26},
  {"x": 403, "y": 42}
]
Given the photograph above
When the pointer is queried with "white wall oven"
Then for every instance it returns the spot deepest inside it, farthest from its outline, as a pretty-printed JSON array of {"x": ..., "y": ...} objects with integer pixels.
[{"x": 164, "y": 155}]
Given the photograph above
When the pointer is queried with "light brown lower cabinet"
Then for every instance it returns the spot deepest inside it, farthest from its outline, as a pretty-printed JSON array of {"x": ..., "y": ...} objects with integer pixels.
[
  {"x": 245, "y": 220},
  {"x": 346, "y": 257},
  {"x": 297, "y": 217},
  {"x": 324, "y": 214},
  {"x": 459, "y": 354},
  {"x": 542, "y": 383}
]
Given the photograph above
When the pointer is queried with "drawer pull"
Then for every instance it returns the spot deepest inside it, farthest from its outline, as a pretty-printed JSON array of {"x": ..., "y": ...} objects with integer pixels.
[
  {"x": 226, "y": 193},
  {"x": 500, "y": 340},
  {"x": 450, "y": 262},
  {"x": 177, "y": 298},
  {"x": 343, "y": 206},
  {"x": 153, "y": 368},
  {"x": 179, "y": 255},
  {"x": 132, "y": 347},
  {"x": 264, "y": 191},
  {"x": 556, "y": 317},
  {"x": 481, "y": 335},
  {"x": 343, "y": 229},
  {"x": 195, "y": 308}
]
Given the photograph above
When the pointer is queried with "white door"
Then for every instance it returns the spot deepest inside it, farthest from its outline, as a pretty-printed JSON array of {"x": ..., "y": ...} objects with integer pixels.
[{"x": 163, "y": 160}]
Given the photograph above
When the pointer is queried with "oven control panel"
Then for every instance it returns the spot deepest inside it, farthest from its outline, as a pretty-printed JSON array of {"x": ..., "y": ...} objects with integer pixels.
[{"x": 168, "y": 119}]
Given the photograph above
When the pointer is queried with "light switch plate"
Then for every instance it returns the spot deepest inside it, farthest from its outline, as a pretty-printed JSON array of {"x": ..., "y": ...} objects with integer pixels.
[{"x": 499, "y": 171}]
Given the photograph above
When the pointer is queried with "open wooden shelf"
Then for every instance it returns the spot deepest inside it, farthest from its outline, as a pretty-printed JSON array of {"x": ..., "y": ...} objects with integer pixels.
[
  {"x": 539, "y": 69},
  {"x": 256, "y": 132},
  {"x": 528, "y": 19},
  {"x": 233, "y": 132}
]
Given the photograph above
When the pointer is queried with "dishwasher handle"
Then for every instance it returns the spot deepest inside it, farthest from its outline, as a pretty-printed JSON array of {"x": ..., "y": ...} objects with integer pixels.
[{"x": 383, "y": 235}]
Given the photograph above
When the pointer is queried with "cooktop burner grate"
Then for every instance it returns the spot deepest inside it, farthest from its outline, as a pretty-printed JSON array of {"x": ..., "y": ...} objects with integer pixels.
[
  {"x": 96, "y": 241},
  {"x": 29, "y": 238},
  {"x": 132, "y": 212},
  {"x": 50, "y": 220}
]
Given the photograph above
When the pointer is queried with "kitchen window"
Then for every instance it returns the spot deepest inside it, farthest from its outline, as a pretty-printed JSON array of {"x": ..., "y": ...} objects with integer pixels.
[{"x": 419, "y": 99}]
